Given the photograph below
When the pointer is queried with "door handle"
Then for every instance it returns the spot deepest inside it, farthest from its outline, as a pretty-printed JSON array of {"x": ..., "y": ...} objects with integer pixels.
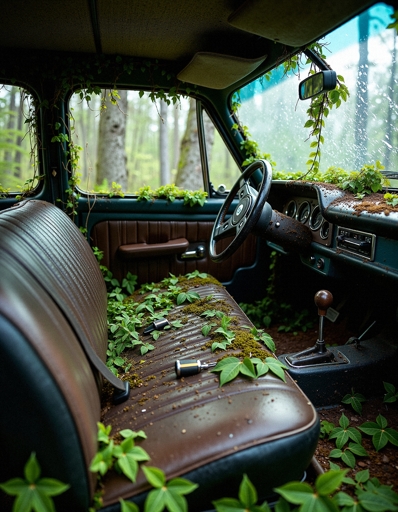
[
  {"x": 197, "y": 253},
  {"x": 144, "y": 250}
]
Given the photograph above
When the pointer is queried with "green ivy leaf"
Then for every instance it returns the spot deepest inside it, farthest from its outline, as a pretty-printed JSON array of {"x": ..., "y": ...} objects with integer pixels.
[
  {"x": 381, "y": 435},
  {"x": 128, "y": 455},
  {"x": 206, "y": 329},
  {"x": 181, "y": 486},
  {"x": 229, "y": 370},
  {"x": 276, "y": 367},
  {"x": 128, "y": 506},
  {"x": 175, "y": 502},
  {"x": 345, "y": 500},
  {"x": 376, "y": 501},
  {"x": 297, "y": 493},
  {"x": 329, "y": 482},
  {"x": 247, "y": 368},
  {"x": 247, "y": 493},
  {"x": 261, "y": 368},
  {"x": 170, "y": 496},
  {"x": 33, "y": 493},
  {"x": 228, "y": 505},
  {"x": 348, "y": 458},
  {"x": 155, "y": 476},
  {"x": 155, "y": 501}
]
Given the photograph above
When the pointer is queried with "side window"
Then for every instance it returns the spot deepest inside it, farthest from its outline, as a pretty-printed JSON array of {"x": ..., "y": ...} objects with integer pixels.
[
  {"x": 17, "y": 154},
  {"x": 223, "y": 169},
  {"x": 129, "y": 141}
]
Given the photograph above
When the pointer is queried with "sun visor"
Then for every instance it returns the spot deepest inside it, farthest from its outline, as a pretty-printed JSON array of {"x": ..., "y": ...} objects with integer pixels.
[
  {"x": 293, "y": 23},
  {"x": 217, "y": 71}
]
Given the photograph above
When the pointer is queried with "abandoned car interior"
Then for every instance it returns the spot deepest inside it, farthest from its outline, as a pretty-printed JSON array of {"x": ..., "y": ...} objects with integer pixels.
[{"x": 165, "y": 170}]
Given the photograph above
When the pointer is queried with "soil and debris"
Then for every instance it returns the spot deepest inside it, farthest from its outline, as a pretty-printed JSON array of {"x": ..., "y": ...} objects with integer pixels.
[{"x": 383, "y": 464}]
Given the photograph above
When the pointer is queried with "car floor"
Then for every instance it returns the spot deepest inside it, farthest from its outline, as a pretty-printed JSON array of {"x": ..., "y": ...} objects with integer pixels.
[{"x": 382, "y": 464}]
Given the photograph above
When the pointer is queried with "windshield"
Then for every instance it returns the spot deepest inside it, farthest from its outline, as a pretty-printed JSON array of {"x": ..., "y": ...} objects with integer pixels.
[{"x": 360, "y": 131}]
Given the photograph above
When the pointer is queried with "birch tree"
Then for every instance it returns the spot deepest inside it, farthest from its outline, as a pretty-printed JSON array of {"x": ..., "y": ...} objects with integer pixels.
[{"x": 111, "y": 154}]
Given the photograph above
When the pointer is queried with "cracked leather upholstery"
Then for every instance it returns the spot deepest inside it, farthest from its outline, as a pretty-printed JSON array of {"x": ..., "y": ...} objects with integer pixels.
[{"x": 51, "y": 399}]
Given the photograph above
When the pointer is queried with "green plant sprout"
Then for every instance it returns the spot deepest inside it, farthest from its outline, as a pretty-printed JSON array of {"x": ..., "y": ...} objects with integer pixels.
[
  {"x": 391, "y": 199},
  {"x": 123, "y": 457},
  {"x": 225, "y": 333},
  {"x": 231, "y": 367},
  {"x": 326, "y": 429},
  {"x": 367, "y": 181},
  {"x": 355, "y": 400},
  {"x": 169, "y": 495},
  {"x": 344, "y": 433},
  {"x": 391, "y": 393},
  {"x": 32, "y": 492},
  {"x": 247, "y": 501},
  {"x": 4, "y": 191},
  {"x": 260, "y": 335},
  {"x": 380, "y": 432},
  {"x": 325, "y": 495}
]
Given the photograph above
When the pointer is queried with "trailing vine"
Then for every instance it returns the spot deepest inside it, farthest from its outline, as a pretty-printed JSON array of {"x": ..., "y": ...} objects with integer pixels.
[
  {"x": 317, "y": 112},
  {"x": 67, "y": 75}
]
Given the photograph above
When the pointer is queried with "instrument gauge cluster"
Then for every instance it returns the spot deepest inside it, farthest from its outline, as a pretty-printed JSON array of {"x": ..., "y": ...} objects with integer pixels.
[{"x": 308, "y": 212}]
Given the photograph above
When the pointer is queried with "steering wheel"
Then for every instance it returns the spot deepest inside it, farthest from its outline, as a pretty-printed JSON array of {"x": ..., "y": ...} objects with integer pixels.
[{"x": 246, "y": 213}]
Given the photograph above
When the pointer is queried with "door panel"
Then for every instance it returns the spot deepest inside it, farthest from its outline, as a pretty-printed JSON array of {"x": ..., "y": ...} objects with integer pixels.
[
  {"x": 145, "y": 249},
  {"x": 168, "y": 230}
]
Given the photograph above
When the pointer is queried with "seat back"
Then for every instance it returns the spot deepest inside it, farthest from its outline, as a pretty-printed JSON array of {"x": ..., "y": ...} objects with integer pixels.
[
  {"x": 49, "y": 392},
  {"x": 51, "y": 247},
  {"x": 49, "y": 397}
]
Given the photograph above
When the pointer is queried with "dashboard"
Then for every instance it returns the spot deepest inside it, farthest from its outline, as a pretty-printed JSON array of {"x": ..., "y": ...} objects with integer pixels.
[{"x": 343, "y": 238}]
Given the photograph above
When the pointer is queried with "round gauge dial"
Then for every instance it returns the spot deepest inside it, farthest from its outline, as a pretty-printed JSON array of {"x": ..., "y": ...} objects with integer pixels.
[
  {"x": 304, "y": 212},
  {"x": 324, "y": 232},
  {"x": 316, "y": 218},
  {"x": 291, "y": 209}
]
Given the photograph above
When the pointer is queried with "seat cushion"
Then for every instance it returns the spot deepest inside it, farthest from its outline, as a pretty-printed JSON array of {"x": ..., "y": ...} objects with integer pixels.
[{"x": 266, "y": 428}]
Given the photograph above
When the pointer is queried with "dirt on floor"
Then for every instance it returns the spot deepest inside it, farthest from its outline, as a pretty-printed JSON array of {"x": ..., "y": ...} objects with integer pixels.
[{"x": 381, "y": 464}]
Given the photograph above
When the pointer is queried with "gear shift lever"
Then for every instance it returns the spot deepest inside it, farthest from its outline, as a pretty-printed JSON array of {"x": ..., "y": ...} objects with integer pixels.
[
  {"x": 323, "y": 300},
  {"x": 317, "y": 354}
]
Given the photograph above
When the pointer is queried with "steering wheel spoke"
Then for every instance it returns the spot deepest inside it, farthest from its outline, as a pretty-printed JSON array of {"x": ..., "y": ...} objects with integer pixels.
[
  {"x": 225, "y": 230},
  {"x": 246, "y": 213}
]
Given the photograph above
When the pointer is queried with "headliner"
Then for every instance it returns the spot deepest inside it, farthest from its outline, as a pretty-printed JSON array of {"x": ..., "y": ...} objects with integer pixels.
[{"x": 170, "y": 31}]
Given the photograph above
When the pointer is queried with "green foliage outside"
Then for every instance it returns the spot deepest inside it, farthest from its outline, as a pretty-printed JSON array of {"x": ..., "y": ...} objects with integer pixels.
[{"x": 171, "y": 193}]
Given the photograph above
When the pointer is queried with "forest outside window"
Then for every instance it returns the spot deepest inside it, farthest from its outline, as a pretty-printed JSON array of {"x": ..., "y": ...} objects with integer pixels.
[
  {"x": 362, "y": 131},
  {"x": 137, "y": 143},
  {"x": 17, "y": 147}
]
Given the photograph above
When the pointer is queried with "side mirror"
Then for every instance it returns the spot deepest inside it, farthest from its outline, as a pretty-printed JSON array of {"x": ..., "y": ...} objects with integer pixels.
[{"x": 317, "y": 84}]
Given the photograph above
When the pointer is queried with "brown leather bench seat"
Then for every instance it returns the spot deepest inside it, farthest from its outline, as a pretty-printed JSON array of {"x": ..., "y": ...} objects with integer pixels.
[{"x": 52, "y": 303}]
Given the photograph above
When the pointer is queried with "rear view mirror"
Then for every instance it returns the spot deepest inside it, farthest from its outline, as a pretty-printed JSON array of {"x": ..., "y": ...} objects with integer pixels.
[{"x": 317, "y": 84}]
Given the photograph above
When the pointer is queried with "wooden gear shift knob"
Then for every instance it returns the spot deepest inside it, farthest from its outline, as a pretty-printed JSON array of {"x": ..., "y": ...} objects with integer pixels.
[{"x": 323, "y": 300}]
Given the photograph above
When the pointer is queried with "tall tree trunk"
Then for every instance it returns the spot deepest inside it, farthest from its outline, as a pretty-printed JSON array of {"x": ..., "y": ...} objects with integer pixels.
[
  {"x": 8, "y": 155},
  {"x": 164, "y": 145},
  {"x": 18, "y": 154},
  {"x": 176, "y": 138},
  {"x": 361, "y": 111},
  {"x": 111, "y": 154},
  {"x": 189, "y": 174}
]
